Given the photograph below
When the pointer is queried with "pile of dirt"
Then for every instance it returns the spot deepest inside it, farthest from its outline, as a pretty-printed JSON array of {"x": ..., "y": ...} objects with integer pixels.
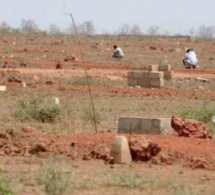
[
  {"x": 143, "y": 149},
  {"x": 190, "y": 128},
  {"x": 162, "y": 150}
]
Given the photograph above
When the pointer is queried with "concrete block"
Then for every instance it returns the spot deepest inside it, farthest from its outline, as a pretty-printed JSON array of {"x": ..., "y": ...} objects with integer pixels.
[
  {"x": 129, "y": 74},
  {"x": 145, "y": 74},
  {"x": 153, "y": 67},
  {"x": 161, "y": 125},
  {"x": 156, "y": 75},
  {"x": 144, "y": 125},
  {"x": 2, "y": 88},
  {"x": 157, "y": 83},
  {"x": 127, "y": 124},
  {"x": 144, "y": 82},
  {"x": 168, "y": 75},
  {"x": 120, "y": 150},
  {"x": 135, "y": 74},
  {"x": 132, "y": 81},
  {"x": 166, "y": 67}
]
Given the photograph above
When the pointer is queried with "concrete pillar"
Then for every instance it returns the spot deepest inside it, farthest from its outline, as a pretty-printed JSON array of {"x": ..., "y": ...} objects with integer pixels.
[{"x": 120, "y": 150}]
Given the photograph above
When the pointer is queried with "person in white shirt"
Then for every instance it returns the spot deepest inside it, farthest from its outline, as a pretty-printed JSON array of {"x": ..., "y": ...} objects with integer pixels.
[
  {"x": 118, "y": 53},
  {"x": 190, "y": 59}
]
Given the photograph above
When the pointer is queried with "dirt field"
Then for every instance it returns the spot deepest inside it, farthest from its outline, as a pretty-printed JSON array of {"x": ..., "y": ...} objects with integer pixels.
[{"x": 46, "y": 148}]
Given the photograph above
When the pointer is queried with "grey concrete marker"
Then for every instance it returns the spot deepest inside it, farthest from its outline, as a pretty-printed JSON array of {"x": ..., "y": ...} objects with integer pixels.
[{"x": 120, "y": 150}]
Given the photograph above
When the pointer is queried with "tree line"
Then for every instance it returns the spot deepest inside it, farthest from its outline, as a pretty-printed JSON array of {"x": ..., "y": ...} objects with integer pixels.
[{"x": 88, "y": 28}]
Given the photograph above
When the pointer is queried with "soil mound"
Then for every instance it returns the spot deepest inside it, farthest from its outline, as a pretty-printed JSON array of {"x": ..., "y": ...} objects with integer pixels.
[
  {"x": 190, "y": 128},
  {"x": 143, "y": 149}
]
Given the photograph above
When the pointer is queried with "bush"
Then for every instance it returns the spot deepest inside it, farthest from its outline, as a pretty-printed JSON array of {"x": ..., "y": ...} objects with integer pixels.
[
  {"x": 54, "y": 182},
  {"x": 5, "y": 188},
  {"x": 31, "y": 111}
]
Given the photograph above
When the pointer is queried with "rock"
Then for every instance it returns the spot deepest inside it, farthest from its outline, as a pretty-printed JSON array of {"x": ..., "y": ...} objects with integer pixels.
[
  {"x": 15, "y": 80},
  {"x": 86, "y": 157},
  {"x": 190, "y": 128},
  {"x": 49, "y": 82},
  {"x": 110, "y": 160},
  {"x": 201, "y": 163},
  {"x": 167, "y": 159},
  {"x": 27, "y": 129},
  {"x": 201, "y": 88},
  {"x": 175, "y": 50},
  {"x": 38, "y": 148},
  {"x": 152, "y": 48},
  {"x": 201, "y": 79},
  {"x": 69, "y": 58},
  {"x": 142, "y": 149},
  {"x": 58, "y": 66}
]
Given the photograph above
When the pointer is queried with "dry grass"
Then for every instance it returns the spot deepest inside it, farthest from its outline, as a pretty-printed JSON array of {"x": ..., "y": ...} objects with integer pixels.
[{"x": 75, "y": 116}]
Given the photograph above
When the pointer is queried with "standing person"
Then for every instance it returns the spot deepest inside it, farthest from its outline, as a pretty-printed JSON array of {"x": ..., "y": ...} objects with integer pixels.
[
  {"x": 190, "y": 59},
  {"x": 118, "y": 53}
]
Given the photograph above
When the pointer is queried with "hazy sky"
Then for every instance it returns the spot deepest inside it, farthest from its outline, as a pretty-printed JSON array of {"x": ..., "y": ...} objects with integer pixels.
[{"x": 175, "y": 16}]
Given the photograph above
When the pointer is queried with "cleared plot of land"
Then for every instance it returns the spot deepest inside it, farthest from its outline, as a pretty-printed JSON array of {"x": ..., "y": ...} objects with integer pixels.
[{"x": 43, "y": 143}]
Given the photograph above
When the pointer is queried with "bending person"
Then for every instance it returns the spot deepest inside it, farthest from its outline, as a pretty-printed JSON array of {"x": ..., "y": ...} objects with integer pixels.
[{"x": 190, "y": 59}]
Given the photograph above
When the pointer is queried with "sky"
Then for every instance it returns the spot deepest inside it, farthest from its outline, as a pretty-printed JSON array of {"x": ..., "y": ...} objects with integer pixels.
[{"x": 173, "y": 16}]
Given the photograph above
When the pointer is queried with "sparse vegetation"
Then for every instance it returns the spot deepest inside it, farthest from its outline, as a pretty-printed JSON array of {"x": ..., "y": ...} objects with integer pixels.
[
  {"x": 5, "y": 185},
  {"x": 93, "y": 81},
  {"x": 31, "y": 110},
  {"x": 66, "y": 128},
  {"x": 55, "y": 181}
]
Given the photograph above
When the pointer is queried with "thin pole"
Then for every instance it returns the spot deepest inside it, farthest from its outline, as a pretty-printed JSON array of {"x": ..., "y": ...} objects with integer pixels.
[{"x": 85, "y": 70}]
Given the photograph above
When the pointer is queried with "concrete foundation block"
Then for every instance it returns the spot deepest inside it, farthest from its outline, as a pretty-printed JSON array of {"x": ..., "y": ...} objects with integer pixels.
[
  {"x": 135, "y": 74},
  {"x": 127, "y": 124},
  {"x": 156, "y": 75},
  {"x": 144, "y": 82},
  {"x": 145, "y": 74},
  {"x": 168, "y": 75},
  {"x": 161, "y": 125},
  {"x": 157, "y": 83},
  {"x": 166, "y": 67},
  {"x": 132, "y": 81},
  {"x": 153, "y": 67},
  {"x": 120, "y": 150},
  {"x": 144, "y": 125}
]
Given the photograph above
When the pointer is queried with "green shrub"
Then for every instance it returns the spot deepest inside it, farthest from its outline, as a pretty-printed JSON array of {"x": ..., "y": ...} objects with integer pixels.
[
  {"x": 53, "y": 181},
  {"x": 5, "y": 188},
  {"x": 53, "y": 178},
  {"x": 48, "y": 115},
  {"x": 31, "y": 111}
]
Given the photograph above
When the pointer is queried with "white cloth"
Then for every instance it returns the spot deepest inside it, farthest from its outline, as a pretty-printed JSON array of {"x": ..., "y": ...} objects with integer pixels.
[
  {"x": 118, "y": 52},
  {"x": 191, "y": 58}
]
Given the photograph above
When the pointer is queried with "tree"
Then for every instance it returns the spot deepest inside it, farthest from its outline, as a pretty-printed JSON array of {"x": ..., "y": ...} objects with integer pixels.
[
  {"x": 135, "y": 30},
  {"x": 54, "y": 29},
  {"x": 206, "y": 32},
  {"x": 191, "y": 32},
  {"x": 86, "y": 28},
  {"x": 153, "y": 30},
  {"x": 28, "y": 26},
  {"x": 124, "y": 29},
  {"x": 5, "y": 28}
]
